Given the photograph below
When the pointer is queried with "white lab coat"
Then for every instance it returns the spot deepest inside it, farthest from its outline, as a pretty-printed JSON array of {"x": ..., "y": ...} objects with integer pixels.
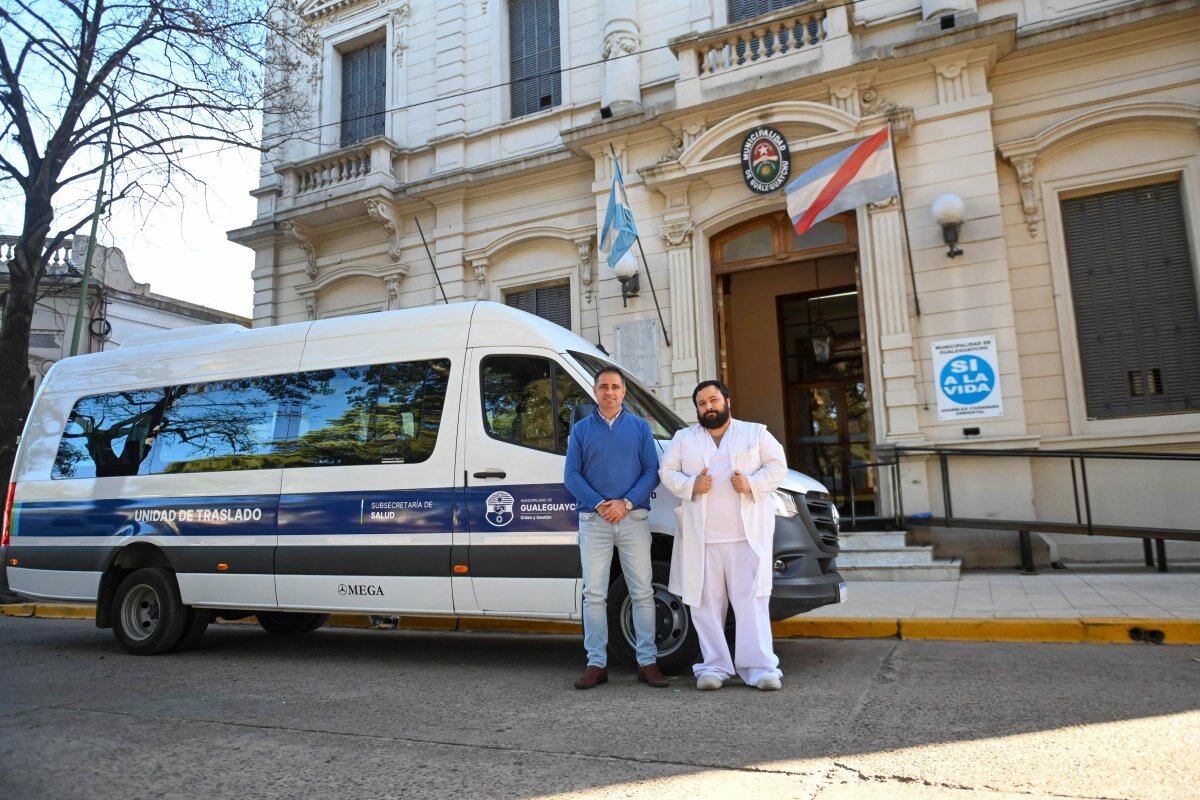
[{"x": 758, "y": 456}]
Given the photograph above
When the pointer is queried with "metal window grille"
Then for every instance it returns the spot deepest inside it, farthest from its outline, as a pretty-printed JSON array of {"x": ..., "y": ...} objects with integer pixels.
[
  {"x": 364, "y": 96},
  {"x": 1134, "y": 293},
  {"x": 548, "y": 302},
  {"x": 534, "y": 65}
]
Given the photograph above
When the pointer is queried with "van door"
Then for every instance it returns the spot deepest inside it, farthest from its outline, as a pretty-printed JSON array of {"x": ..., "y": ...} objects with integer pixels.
[
  {"x": 524, "y": 544},
  {"x": 366, "y": 510}
]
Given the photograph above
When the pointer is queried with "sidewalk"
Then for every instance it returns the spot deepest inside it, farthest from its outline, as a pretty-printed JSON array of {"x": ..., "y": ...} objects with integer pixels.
[
  {"x": 1073, "y": 593},
  {"x": 1083, "y": 604}
]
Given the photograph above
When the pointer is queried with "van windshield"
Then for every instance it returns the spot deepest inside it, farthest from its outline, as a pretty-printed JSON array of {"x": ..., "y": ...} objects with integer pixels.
[{"x": 663, "y": 421}]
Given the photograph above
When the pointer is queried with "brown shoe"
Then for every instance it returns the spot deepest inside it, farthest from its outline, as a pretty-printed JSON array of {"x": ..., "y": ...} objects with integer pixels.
[
  {"x": 592, "y": 677},
  {"x": 652, "y": 675}
]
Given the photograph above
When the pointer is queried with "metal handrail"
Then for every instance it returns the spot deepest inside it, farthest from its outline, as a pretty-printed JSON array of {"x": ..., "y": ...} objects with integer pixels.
[{"x": 1084, "y": 523}]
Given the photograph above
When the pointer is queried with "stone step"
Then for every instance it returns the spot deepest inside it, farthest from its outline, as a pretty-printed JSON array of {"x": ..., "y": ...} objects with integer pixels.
[
  {"x": 873, "y": 540},
  {"x": 886, "y": 557},
  {"x": 938, "y": 570}
]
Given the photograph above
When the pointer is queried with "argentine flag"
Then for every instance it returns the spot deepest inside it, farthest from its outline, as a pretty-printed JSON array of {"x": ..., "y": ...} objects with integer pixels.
[{"x": 619, "y": 231}]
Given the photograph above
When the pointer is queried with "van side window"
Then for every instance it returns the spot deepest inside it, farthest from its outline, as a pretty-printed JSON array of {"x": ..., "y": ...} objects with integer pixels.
[
  {"x": 220, "y": 426},
  {"x": 108, "y": 435},
  {"x": 527, "y": 401},
  {"x": 378, "y": 414}
]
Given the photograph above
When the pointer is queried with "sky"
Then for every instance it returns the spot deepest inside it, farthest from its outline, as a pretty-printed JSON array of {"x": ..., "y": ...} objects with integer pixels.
[{"x": 181, "y": 250}]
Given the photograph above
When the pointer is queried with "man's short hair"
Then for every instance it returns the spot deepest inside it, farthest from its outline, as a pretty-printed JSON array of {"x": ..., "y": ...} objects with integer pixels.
[
  {"x": 611, "y": 369},
  {"x": 702, "y": 385}
]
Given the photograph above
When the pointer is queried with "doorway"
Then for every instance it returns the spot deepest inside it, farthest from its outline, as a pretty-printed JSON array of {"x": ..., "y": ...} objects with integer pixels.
[
  {"x": 825, "y": 394},
  {"x": 789, "y": 335}
]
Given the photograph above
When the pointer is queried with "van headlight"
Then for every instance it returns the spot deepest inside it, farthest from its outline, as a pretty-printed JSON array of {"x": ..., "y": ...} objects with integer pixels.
[{"x": 785, "y": 504}]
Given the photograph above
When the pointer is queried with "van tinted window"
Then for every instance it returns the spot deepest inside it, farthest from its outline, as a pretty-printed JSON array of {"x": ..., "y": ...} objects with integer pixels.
[
  {"x": 108, "y": 435},
  {"x": 380, "y": 414},
  {"x": 220, "y": 426},
  {"x": 527, "y": 400}
]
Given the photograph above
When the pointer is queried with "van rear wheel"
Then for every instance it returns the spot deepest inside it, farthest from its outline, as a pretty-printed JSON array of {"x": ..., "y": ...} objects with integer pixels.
[
  {"x": 289, "y": 623},
  {"x": 675, "y": 636},
  {"x": 150, "y": 616}
]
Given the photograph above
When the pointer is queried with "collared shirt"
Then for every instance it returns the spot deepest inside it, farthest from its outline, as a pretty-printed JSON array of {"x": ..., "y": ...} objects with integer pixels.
[
  {"x": 723, "y": 509},
  {"x": 612, "y": 421}
]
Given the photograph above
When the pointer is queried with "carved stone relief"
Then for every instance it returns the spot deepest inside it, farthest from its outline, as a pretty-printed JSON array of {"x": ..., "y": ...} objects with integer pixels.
[
  {"x": 586, "y": 278},
  {"x": 1029, "y": 204},
  {"x": 384, "y": 212},
  {"x": 305, "y": 238},
  {"x": 676, "y": 234}
]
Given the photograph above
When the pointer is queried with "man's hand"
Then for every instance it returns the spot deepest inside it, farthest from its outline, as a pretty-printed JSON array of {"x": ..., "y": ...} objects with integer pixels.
[
  {"x": 608, "y": 510},
  {"x": 741, "y": 484},
  {"x": 617, "y": 507},
  {"x": 703, "y": 483}
]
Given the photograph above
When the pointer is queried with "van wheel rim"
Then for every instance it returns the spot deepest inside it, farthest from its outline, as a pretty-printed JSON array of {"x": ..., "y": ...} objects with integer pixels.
[
  {"x": 671, "y": 622},
  {"x": 140, "y": 613}
]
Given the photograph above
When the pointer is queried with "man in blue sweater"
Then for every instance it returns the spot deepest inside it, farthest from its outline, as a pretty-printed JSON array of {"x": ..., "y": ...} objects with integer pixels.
[{"x": 612, "y": 467}]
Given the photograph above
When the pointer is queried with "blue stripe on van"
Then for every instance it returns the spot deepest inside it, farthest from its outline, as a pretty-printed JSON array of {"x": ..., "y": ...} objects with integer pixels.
[{"x": 524, "y": 508}]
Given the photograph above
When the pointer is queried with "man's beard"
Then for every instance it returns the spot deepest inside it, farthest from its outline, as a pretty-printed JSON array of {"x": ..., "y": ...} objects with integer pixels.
[{"x": 714, "y": 421}]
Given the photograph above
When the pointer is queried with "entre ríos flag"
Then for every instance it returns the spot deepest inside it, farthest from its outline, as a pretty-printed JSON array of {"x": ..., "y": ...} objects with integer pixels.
[{"x": 863, "y": 173}]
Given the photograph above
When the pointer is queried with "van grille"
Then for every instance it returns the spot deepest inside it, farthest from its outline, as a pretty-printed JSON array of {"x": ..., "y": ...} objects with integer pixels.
[{"x": 820, "y": 508}]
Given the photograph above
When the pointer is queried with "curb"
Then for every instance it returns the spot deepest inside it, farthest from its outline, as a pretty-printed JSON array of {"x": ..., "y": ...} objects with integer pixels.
[{"x": 1088, "y": 630}]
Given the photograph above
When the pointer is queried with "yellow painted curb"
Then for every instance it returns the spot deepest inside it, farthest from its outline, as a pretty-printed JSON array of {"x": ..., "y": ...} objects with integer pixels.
[
  {"x": 64, "y": 611},
  {"x": 348, "y": 621},
  {"x": 17, "y": 609},
  {"x": 503, "y": 625},
  {"x": 836, "y": 628},
  {"x": 1125, "y": 630},
  {"x": 994, "y": 630}
]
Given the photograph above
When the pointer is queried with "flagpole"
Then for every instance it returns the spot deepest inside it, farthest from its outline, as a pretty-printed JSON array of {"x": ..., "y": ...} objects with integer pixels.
[
  {"x": 912, "y": 276},
  {"x": 661, "y": 324},
  {"x": 649, "y": 277}
]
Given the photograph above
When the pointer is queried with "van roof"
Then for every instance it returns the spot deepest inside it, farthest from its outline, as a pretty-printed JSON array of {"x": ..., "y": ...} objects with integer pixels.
[{"x": 198, "y": 354}]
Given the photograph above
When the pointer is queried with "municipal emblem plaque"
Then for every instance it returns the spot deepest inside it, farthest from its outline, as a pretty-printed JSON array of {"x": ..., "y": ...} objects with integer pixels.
[{"x": 766, "y": 160}]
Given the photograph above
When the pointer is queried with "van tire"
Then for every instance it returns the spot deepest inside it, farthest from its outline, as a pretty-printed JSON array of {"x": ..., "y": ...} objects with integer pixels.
[
  {"x": 290, "y": 623},
  {"x": 148, "y": 615},
  {"x": 194, "y": 628},
  {"x": 679, "y": 646}
]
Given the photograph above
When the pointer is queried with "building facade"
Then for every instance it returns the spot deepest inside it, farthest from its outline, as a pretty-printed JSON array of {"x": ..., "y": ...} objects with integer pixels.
[
  {"x": 118, "y": 306},
  {"x": 486, "y": 130}
]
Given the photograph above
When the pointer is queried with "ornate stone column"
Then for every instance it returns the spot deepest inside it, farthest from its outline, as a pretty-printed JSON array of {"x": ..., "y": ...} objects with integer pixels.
[
  {"x": 677, "y": 235},
  {"x": 888, "y": 281},
  {"x": 622, "y": 65}
]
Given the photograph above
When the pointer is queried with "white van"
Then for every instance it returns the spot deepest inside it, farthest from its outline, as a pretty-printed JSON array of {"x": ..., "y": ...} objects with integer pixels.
[{"x": 407, "y": 462}]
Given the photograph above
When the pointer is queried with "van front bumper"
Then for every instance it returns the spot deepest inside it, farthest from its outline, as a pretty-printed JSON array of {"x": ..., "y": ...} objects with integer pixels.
[{"x": 806, "y": 549}]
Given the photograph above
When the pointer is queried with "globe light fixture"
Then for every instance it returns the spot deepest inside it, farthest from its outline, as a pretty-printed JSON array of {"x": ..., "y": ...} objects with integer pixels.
[
  {"x": 627, "y": 274},
  {"x": 947, "y": 212}
]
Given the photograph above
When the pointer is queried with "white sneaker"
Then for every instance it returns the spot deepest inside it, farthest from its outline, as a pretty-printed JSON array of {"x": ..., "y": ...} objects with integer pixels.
[
  {"x": 768, "y": 683},
  {"x": 709, "y": 681}
]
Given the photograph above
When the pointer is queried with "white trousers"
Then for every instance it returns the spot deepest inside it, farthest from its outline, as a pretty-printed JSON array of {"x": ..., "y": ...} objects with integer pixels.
[{"x": 729, "y": 579}]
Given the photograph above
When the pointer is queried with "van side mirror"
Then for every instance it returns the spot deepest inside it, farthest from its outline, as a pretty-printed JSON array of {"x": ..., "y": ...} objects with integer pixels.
[{"x": 582, "y": 411}]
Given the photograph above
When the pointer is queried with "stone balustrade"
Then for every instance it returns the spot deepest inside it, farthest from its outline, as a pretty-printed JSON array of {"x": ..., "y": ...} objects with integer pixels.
[
  {"x": 59, "y": 260},
  {"x": 815, "y": 33}
]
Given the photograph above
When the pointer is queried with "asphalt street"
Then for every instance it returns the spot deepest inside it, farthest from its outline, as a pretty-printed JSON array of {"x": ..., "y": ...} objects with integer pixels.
[{"x": 376, "y": 714}]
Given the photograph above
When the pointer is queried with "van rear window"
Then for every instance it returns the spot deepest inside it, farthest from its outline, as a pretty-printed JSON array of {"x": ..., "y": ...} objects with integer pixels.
[{"x": 373, "y": 414}]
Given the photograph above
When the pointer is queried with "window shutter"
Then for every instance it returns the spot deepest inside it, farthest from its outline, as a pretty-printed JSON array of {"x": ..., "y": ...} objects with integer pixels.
[
  {"x": 745, "y": 9},
  {"x": 534, "y": 59},
  {"x": 551, "y": 303},
  {"x": 1134, "y": 296},
  {"x": 364, "y": 92}
]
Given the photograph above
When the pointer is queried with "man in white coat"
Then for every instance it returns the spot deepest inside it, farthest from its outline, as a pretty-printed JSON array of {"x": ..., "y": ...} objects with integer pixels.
[{"x": 724, "y": 470}]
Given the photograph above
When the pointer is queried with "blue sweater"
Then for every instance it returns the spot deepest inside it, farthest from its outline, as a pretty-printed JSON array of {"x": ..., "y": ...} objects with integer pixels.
[{"x": 611, "y": 464}]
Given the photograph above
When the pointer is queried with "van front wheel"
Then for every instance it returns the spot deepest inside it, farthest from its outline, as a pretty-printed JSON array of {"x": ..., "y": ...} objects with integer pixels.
[
  {"x": 288, "y": 623},
  {"x": 149, "y": 615},
  {"x": 674, "y": 634}
]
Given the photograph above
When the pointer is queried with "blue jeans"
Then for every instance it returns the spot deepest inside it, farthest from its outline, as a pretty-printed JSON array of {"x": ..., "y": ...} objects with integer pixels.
[{"x": 631, "y": 537}]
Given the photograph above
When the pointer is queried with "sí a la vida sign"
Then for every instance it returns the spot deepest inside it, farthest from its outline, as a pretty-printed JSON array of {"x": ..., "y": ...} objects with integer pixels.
[{"x": 966, "y": 377}]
